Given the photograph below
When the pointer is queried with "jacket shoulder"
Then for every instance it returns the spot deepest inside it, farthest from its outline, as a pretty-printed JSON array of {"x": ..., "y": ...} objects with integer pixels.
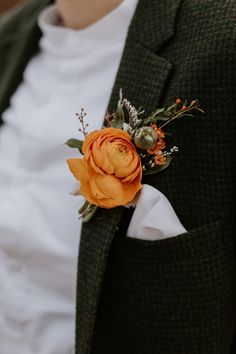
[{"x": 209, "y": 24}]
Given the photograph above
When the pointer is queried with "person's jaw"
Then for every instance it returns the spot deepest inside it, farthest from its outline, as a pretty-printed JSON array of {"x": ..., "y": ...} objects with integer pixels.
[{"x": 78, "y": 14}]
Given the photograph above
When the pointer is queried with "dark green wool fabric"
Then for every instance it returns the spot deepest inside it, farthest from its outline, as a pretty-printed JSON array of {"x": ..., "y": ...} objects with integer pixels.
[{"x": 174, "y": 296}]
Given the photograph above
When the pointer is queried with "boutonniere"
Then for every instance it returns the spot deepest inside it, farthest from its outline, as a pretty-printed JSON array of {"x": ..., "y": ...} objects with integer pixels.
[{"x": 116, "y": 157}]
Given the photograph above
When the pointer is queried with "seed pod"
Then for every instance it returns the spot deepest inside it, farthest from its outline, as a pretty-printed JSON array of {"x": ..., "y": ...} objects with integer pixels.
[{"x": 145, "y": 138}]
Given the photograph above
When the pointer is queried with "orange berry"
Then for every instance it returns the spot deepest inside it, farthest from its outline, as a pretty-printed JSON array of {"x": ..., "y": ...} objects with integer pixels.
[{"x": 178, "y": 101}]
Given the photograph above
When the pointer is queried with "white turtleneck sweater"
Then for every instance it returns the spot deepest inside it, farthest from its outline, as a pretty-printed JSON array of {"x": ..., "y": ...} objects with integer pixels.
[{"x": 39, "y": 225}]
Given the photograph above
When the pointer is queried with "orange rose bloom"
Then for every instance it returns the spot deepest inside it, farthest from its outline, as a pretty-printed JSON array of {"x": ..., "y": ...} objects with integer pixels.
[{"x": 110, "y": 173}]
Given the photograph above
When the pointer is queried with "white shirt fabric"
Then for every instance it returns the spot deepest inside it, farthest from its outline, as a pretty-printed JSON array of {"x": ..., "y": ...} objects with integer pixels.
[{"x": 39, "y": 226}]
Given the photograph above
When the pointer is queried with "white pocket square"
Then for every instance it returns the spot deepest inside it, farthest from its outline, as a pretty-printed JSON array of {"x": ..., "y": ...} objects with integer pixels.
[{"x": 154, "y": 218}]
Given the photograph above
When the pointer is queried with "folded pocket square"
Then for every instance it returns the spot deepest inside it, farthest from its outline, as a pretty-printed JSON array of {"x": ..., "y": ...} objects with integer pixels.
[{"x": 154, "y": 217}]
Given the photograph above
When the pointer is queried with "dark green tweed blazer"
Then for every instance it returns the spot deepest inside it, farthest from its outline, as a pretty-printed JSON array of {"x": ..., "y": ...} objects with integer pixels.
[{"x": 175, "y": 296}]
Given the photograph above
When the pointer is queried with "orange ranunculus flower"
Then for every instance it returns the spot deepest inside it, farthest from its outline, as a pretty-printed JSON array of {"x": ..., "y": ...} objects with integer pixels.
[{"x": 110, "y": 173}]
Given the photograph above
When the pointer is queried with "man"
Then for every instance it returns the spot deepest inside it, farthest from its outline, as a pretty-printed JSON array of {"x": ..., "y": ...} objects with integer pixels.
[{"x": 174, "y": 295}]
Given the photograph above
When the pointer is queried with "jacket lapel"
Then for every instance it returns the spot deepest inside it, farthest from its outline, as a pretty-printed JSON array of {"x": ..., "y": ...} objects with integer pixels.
[{"x": 142, "y": 75}]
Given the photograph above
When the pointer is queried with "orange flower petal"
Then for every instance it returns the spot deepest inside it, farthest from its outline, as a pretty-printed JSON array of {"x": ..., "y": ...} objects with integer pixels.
[
  {"x": 130, "y": 190},
  {"x": 77, "y": 167},
  {"x": 135, "y": 176}
]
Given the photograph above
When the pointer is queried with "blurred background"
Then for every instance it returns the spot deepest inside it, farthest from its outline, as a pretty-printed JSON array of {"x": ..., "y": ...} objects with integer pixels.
[{"x": 7, "y": 4}]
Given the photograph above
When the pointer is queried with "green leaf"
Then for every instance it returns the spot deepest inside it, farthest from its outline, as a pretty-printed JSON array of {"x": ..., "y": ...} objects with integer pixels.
[
  {"x": 119, "y": 119},
  {"x": 158, "y": 169},
  {"x": 150, "y": 120},
  {"x": 171, "y": 108},
  {"x": 165, "y": 116},
  {"x": 157, "y": 111},
  {"x": 75, "y": 144},
  {"x": 160, "y": 114},
  {"x": 162, "y": 118}
]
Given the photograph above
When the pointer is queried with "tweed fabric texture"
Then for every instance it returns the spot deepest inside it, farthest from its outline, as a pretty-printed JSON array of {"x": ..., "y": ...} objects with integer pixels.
[
  {"x": 91, "y": 268},
  {"x": 174, "y": 296},
  {"x": 176, "y": 300},
  {"x": 178, "y": 296}
]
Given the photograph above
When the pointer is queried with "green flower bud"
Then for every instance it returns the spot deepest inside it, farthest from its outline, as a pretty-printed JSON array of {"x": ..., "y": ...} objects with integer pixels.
[{"x": 145, "y": 138}]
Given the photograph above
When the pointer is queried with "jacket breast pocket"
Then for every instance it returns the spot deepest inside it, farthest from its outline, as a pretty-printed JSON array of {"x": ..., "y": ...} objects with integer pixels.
[{"x": 173, "y": 296}]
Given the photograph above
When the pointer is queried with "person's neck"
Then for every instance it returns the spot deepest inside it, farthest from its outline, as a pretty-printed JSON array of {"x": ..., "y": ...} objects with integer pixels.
[{"x": 78, "y": 14}]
